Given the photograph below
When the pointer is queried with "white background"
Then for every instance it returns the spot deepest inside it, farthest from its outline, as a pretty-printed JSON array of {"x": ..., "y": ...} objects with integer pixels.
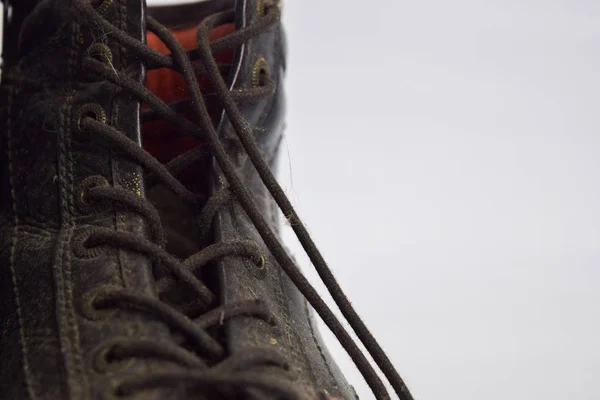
[{"x": 444, "y": 155}]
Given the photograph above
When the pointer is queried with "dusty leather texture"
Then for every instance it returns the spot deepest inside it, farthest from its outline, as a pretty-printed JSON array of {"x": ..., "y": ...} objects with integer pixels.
[
  {"x": 296, "y": 334},
  {"x": 49, "y": 343},
  {"x": 49, "y": 339}
]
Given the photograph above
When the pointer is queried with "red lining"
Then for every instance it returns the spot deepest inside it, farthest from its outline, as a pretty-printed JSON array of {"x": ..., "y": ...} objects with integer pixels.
[{"x": 161, "y": 138}]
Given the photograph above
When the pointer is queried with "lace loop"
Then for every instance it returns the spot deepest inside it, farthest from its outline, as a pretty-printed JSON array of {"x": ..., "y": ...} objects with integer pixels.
[
  {"x": 205, "y": 344},
  {"x": 133, "y": 202},
  {"x": 249, "y": 308},
  {"x": 106, "y": 359},
  {"x": 121, "y": 142},
  {"x": 123, "y": 348},
  {"x": 131, "y": 242},
  {"x": 245, "y": 248},
  {"x": 89, "y": 111}
]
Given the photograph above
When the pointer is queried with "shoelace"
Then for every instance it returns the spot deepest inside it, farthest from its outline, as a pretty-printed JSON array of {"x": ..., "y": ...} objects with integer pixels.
[{"x": 196, "y": 329}]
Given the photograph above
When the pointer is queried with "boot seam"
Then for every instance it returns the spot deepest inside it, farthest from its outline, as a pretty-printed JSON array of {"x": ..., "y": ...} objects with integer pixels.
[
  {"x": 280, "y": 288},
  {"x": 22, "y": 338},
  {"x": 65, "y": 312},
  {"x": 318, "y": 344},
  {"x": 124, "y": 267}
]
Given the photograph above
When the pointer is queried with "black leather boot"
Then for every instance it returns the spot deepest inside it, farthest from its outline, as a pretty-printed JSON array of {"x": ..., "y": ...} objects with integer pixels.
[{"x": 139, "y": 255}]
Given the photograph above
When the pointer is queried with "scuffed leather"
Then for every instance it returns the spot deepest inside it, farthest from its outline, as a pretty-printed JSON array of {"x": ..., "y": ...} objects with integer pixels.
[
  {"x": 48, "y": 342},
  {"x": 295, "y": 335}
]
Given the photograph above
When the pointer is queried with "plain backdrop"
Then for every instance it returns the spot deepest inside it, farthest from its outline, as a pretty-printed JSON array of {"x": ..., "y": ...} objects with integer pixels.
[{"x": 444, "y": 155}]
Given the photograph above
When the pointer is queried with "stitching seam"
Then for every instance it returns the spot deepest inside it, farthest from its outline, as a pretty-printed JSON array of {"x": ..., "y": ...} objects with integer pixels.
[
  {"x": 65, "y": 313},
  {"x": 68, "y": 263},
  {"x": 63, "y": 238},
  {"x": 124, "y": 267},
  {"x": 81, "y": 384},
  {"x": 317, "y": 343},
  {"x": 13, "y": 249}
]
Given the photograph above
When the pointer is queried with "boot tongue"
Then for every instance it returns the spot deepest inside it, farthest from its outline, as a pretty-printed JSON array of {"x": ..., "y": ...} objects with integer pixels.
[{"x": 160, "y": 138}]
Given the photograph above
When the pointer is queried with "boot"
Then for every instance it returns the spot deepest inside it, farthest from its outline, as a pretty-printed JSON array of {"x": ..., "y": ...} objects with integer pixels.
[{"x": 139, "y": 249}]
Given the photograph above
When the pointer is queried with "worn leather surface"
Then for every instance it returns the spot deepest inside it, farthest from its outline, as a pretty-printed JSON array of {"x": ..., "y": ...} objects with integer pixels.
[
  {"x": 295, "y": 335},
  {"x": 48, "y": 341}
]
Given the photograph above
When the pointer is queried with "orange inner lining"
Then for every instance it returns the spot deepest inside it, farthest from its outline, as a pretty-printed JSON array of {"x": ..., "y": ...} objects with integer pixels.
[{"x": 162, "y": 139}]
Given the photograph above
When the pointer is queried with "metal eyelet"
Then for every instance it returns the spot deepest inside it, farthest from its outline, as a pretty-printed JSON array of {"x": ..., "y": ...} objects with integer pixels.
[
  {"x": 262, "y": 6},
  {"x": 262, "y": 263},
  {"x": 259, "y": 71},
  {"x": 257, "y": 267},
  {"x": 103, "y": 7},
  {"x": 100, "y": 52},
  {"x": 82, "y": 202},
  {"x": 88, "y": 308},
  {"x": 80, "y": 245},
  {"x": 91, "y": 110}
]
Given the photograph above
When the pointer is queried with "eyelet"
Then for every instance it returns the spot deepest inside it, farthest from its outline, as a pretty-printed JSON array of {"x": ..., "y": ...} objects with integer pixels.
[
  {"x": 263, "y": 5},
  {"x": 91, "y": 110},
  {"x": 101, "y": 358},
  {"x": 89, "y": 310},
  {"x": 260, "y": 69},
  {"x": 262, "y": 263},
  {"x": 81, "y": 201},
  {"x": 103, "y": 7},
  {"x": 80, "y": 246},
  {"x": 260, "y": 7},
  {"x": 100, "y": 52},
  {"x": 257, "y": 269}
]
